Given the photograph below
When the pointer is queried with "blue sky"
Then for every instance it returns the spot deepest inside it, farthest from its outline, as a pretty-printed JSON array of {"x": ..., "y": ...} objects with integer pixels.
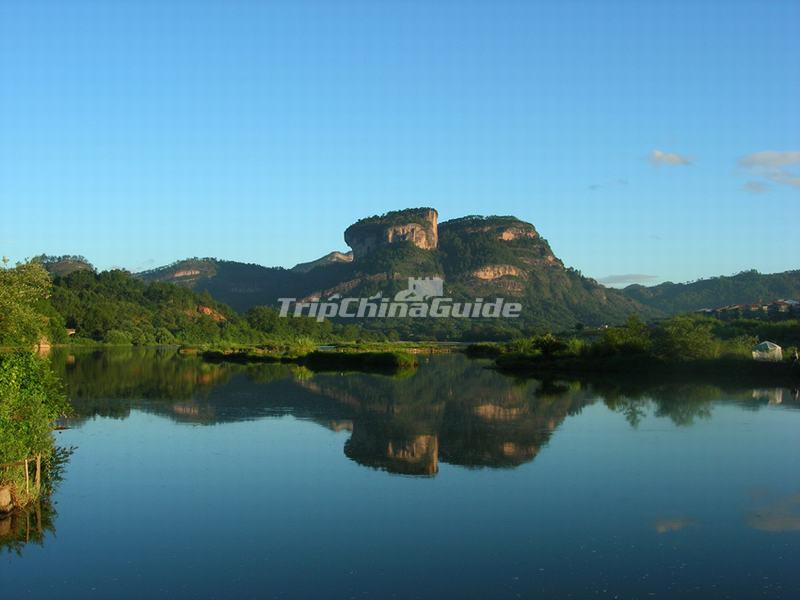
[{"x": 640, "y": 138}]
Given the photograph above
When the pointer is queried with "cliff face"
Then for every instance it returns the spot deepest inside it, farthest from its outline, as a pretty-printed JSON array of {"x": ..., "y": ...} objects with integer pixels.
[
  {"x": 418, "y": 226},
  {"x": 490, "y": 272},
  {"x": 499, "y": 228},
  {"x": 492, "y": 248}
]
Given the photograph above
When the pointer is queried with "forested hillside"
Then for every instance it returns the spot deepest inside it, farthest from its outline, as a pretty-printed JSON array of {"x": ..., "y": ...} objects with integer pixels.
[
  {"x": 744, "y": 288},
  {"x": 116, "y": 307}
]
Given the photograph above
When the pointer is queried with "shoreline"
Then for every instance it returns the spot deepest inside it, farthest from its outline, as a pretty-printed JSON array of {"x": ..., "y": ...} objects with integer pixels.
[{"x": 727, "y": 370}]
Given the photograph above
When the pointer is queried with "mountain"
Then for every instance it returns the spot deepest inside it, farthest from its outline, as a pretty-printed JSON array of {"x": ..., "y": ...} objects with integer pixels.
[
  {"x": 744, "y": 288},
  {"x": 478, "y": 257}
]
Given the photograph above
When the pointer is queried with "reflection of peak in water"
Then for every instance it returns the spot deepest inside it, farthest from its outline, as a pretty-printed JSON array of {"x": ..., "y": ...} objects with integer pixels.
[
  {"x": 340, "y": 425},
  {"x": 493, "y": 412},
  {"x": 375, "y": 446},
  {"x": 473, "y": 417},
  {"x": 776, "y": 396}
]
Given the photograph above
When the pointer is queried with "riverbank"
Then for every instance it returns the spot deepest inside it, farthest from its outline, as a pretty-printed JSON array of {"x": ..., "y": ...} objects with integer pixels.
[
  {"x": 686, "y": 346},
  {"x": 19, "y": 486},
  {"x": 729, "y": 370}
]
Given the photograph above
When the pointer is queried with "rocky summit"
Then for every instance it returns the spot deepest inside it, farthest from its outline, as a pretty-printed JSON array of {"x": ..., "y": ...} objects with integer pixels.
[{"x": 416, "y": 226}]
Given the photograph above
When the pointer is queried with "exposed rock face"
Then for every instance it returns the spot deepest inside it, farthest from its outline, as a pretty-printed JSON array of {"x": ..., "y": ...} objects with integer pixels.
[
  {"x": 345, "y": 286},
  {"x": 417, "y": 455},
  {"x": 210, "y": 312},
  {"x": 331, "y": 258},
  {"x": 418, "y": 226},
  {"x": 373, "y": 445},
  {"x": 516, "y": 232},
  {"x": 493, "y": 412},
  {"x": 6, "y": 504},
  {"x": 501, "y": 228},
  {"x": 545, "y": 259},
  {"x": 490, "y": 272},
  {"x": 185, "y": 272},
  {"x": 519, "y": 452},
  {"x": 340, "y": 425}
]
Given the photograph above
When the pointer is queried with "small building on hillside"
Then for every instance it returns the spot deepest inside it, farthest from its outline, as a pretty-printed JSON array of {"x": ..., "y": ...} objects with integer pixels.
[
  {"x": 755, "y": 311},
  {"x": 767, "y": 351},
  {"x": 780, "y": 308}
]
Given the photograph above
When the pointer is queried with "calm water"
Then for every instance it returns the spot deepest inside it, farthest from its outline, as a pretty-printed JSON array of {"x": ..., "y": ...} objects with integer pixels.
[{"x": 197, "y": 480}]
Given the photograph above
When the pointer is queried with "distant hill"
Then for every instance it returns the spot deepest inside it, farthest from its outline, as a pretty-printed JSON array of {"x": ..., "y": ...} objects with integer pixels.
[
  {"x": 118, "y": 308},
  {"x": 115, "y": 307},
  {"x": 239, "y": 285},
  {"x": 744, "y": 288},
  {"x": 64, "y": 265},
  {"x": 330, "y": 258}
]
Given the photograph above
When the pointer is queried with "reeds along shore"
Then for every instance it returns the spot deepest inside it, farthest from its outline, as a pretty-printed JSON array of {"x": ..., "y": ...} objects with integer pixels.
[{"x": 368, "y": 358}]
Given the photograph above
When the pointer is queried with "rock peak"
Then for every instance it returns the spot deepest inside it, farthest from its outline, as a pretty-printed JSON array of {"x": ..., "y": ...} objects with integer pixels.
[{"x": 415, "y": 225}]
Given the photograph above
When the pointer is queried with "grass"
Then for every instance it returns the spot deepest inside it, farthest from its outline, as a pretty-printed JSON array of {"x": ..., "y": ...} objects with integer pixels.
[
  {"x": 484, "y": 350},
  {"x": 390, "y": 361},
  {"x": 381, "y": 357}
]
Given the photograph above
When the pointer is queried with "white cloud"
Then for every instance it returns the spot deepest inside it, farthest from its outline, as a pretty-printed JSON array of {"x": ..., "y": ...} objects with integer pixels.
[
  {"x": 772, "y": 165},
  {"x": 659, "y": 157},
  {"x": 755, "y": 187}
]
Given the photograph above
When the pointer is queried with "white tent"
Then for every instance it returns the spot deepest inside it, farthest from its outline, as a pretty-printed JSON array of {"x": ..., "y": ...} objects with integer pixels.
[{"x": 767, "y": 351}]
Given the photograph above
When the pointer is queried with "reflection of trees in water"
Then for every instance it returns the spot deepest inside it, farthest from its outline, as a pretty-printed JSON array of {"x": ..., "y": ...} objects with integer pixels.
[
  {"x": 28, "y": 525},
  {"x": 451, "y": 409},
  {"x": 104, "y": 383},
  {"x": 32, "y": 524},
  {"x": 679, "y": 401}
]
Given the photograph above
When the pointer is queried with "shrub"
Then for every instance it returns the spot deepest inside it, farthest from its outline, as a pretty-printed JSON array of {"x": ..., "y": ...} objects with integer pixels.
[
  {"x": 117, "y": 337},
  {"x": 685, "y": 338},
  {"x": 30, "y": 399},
  {"x": 632, "y": 338}
]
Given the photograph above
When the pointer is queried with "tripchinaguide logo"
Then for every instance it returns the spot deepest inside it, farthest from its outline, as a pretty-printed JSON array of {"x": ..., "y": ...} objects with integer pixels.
[{"x": 424, "y": 297}]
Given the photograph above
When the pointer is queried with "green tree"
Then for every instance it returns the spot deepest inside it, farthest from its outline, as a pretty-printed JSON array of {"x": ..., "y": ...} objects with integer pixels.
[
  {"x": 23, "y": 290},
  {"x": 632, "y": 338},
  {"x": 685, "y": 338},
  {"x": 30, "y": 399}
]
